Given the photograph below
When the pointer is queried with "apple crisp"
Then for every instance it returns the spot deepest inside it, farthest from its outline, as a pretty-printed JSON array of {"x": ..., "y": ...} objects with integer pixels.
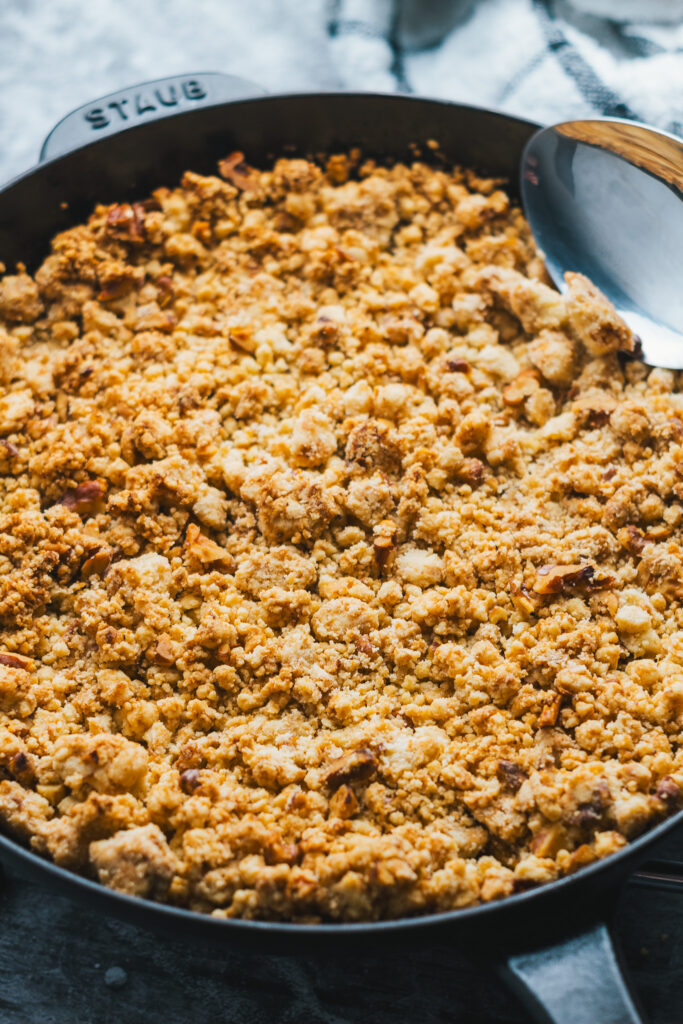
[{"x": 340, "y": 555}]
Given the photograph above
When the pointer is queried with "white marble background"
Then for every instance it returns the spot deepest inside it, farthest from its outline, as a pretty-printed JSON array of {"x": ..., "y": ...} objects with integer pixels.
[{"x": 58, "y": 54}]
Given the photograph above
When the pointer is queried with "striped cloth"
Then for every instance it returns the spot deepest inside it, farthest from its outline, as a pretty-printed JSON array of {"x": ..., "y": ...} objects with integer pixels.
[{"x": 544, "y": 59}]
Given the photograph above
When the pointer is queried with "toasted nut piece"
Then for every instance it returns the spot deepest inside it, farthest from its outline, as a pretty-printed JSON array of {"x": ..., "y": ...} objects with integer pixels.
[
  {"x": 631, "y": 538},
  {"x": 384, "y": 543},
  {"x": 275, "y": 851},
  {"x": 587, "y": 816},
  {"x": 372, "y": 445},
  {"x": 458, "y": 366},
  {"x": 201, "y": 229},
  {"x": 97, "y": 563},
  {"x": 511, "y": 775},
  {"x": 15, "y": 661},
  {"x": 357, "y": 766},
  {"x": 669, "y": 792},
  {"x": 190, "y": 780},
  {"x": 86, "y": 498},
  {"x": 164, "y": 653},
  {"x": 53, "y": 792},
  {"x": 554, "y": 579},
  {"x": 593, "y": 409},
  {"x": 204, "y": 551},
  {"x": 548, "y": 716},
  {"x": 127, "y": 222},
  {"x": 235, "y": 170},
  {"x": 471, "y": 472},
  {"x": 343, "y": 803},
  {"x": 164, "y": 285},
  {"x": 283, "y": 221},
  {"x": 23, "y": 767},
  {"x": 242, "y": 337},
  {"x": 580, "y": 858},
  {"x": 591, "y": 813},
  {"x": 114, "y": 285},
  {"x": 365, "y": 646},
  {"x": 521, "y": 387},
  {"x": 549, "y": 841}
]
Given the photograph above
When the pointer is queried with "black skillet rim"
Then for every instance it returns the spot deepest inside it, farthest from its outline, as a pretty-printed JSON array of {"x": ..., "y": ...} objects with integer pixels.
[{"x": 13, "y": 852}]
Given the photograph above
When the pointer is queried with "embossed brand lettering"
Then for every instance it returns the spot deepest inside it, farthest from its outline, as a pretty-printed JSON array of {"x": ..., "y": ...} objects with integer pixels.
[
  {"x": 171, "y": 101},
  {"x": 194, "y": 90},
  {"x": 118, "y": 106},
  {"x": 144, "y": 103},
  {"x": 97, "y": 118}
]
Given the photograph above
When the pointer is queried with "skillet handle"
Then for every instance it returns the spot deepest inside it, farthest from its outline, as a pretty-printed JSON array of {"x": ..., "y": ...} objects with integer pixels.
[
  {"x": 148, "y": 101},
  {"x": 578, "y": 981}
]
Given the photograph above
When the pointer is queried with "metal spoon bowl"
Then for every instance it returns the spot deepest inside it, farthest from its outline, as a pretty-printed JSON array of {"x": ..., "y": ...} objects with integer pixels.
[{"x": 605, "y": 198}]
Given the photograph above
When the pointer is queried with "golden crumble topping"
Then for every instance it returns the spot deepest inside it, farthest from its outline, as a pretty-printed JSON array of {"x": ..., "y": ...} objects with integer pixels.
[{"x": 340, "y": 556}]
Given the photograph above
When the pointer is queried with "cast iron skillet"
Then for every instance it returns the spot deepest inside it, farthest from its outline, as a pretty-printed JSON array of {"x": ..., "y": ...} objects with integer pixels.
[{"x": 552, "y": 944}]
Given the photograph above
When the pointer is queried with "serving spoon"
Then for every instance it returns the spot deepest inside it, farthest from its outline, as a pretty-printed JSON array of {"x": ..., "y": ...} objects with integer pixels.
[{"x": 605, "y": 198}]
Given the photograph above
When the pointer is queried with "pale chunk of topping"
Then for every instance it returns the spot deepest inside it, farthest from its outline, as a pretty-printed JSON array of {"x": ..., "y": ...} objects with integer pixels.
[{"x": 341, "y": 556}]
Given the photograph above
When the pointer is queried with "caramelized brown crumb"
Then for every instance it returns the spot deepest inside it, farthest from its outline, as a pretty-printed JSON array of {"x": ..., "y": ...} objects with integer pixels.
[{"x": 340, "y": 556}]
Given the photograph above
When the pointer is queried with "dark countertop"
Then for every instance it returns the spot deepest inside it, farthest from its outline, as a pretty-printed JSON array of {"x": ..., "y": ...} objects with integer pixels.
[{"x": 62, "y": 964}]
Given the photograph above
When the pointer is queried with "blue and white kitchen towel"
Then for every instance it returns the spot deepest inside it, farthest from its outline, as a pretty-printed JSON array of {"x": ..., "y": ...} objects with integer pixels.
[{"x": 544, "y": 59}]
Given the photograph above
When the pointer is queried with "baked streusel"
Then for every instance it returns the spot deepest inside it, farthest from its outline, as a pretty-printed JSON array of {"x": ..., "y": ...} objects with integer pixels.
[{"x": 340, "y": 555}]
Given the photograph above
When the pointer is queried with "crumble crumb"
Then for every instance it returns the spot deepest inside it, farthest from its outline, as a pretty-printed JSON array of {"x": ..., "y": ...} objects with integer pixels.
[{"x": 340, "y": 555}]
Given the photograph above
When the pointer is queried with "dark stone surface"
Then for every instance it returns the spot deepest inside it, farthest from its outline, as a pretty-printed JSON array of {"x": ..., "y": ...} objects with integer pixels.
[{"x": 60, "y": 964}]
